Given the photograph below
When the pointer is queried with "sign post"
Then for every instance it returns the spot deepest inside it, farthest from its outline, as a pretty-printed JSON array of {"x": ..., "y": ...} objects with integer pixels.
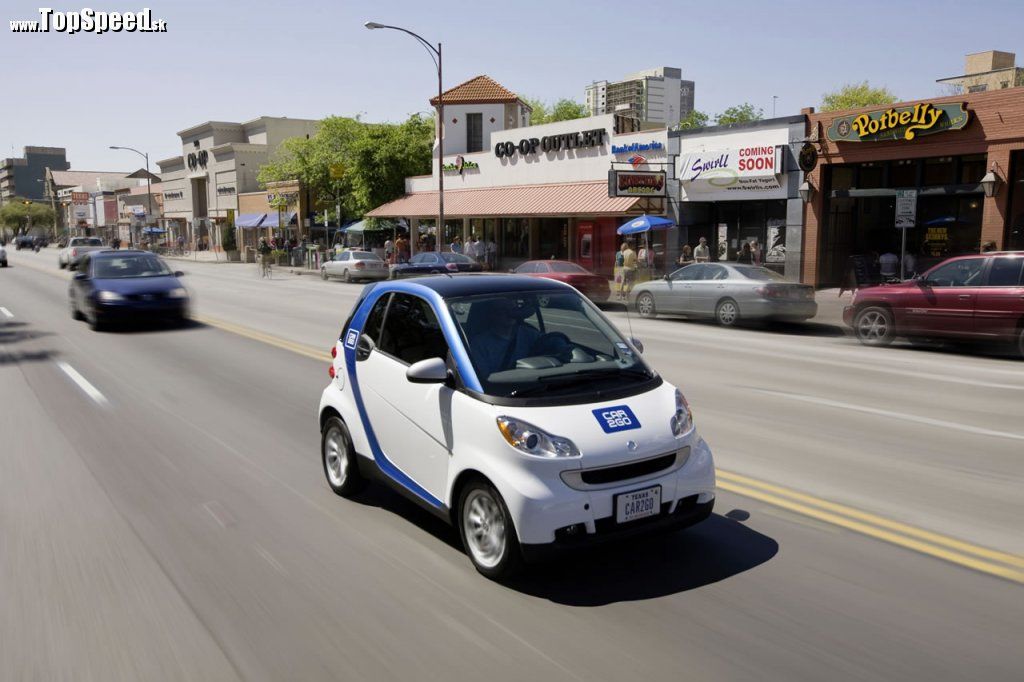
[{"x": 906, "y": 218}]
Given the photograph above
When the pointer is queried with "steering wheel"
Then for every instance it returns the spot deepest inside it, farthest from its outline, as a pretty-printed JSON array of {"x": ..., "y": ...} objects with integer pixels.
[{"x": 555, "y": 344}]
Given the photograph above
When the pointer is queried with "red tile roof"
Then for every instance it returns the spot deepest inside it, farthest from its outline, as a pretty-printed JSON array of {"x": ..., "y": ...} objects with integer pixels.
[
  {"x": 569, "y": 199},
  {"x": 479, "y": 90}
]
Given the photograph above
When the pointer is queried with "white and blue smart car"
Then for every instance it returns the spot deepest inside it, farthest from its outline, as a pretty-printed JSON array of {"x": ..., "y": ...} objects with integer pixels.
[{"x": 513, "y": 409}]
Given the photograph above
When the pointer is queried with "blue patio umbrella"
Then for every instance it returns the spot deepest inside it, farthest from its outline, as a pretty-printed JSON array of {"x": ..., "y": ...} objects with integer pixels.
[
  {"x": 944, "y": 220},
  {"x": 645, "y": 223}
]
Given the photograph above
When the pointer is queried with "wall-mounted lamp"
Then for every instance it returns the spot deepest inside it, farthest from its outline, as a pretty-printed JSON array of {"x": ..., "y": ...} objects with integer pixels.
[
  {"x": 806, "y": 191},
  {"x": 990, "y": 183}
]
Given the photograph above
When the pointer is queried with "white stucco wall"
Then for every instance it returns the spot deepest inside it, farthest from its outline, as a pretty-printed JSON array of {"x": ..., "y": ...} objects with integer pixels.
[{"x": 573, "y": 165}]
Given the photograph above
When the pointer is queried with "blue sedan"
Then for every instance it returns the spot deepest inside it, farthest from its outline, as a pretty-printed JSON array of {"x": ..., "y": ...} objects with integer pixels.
[
  {"x": 128, "y": 286},
  {"x": 433, "y": 263}
]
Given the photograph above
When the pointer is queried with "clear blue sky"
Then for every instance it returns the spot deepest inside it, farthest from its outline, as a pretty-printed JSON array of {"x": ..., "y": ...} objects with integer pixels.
[{"x": 233, "y": 60}]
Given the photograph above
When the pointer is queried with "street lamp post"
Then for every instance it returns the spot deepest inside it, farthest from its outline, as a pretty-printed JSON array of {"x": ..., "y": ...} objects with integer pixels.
[
  {"x": 435, "y": 55},
  {"x": 149, "y": 187}
]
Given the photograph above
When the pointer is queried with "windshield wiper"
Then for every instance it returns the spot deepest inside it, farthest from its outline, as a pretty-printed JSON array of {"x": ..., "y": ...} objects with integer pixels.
[{"x": 587, "y": 374}]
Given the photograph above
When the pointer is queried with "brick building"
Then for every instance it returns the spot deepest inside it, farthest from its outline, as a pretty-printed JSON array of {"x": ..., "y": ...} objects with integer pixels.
[{"x": 962, "y": 155}]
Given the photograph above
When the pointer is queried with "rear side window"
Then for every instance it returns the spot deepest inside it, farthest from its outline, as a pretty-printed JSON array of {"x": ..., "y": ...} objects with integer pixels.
[
  {"x": 527, "y": 268},
  {"x": 375, "y": 320},
  {"x": 411, "y": 331},
  {"x": 1006, "y": 272}
]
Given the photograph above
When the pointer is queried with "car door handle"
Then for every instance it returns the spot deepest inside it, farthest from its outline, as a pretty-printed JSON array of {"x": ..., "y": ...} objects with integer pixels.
[{"x": 964, "y": 297}]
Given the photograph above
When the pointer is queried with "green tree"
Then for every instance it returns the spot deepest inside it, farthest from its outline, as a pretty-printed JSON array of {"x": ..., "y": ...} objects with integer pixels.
[
  {"x": 539, "y": 111},
  {"x": 15, "y": 215},
  {"x": 383, "y": 156},
  {"x": 566, "y": 110},
  {"x": 695, "y": 119},
  {"x": 855, "y": 96},
  {"x": 741, "y": 113}
]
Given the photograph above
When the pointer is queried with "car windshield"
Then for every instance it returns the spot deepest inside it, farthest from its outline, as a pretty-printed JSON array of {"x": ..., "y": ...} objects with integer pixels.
[
  {"x": 761, "y": 274},
  {"x": 456, "y": 258},
  {"x": 121, "y": 267},
  {"x": 364, "y": 255},
  {"x": 560, "y": 266},
  {"x": 544, "y": 344}
]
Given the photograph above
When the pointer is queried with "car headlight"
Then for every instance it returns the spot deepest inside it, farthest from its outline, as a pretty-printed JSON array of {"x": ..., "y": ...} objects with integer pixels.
[
  {"x": 533, "y": 441},
  {"x": 109, "y": 296},
  {"x": 682, "y": 420},
  {"x": 177, "y": 293}
]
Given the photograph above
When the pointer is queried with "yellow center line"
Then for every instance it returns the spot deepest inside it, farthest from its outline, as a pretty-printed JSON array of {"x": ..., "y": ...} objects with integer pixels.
[
  {"x": 270, "y": 340},
  {"x": 951, "y": 556},
  {"x": 896, "y": 526}
]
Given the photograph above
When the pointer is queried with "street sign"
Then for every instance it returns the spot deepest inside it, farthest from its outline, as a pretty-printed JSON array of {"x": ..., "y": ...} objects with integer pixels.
[{"x": 906, "y": 208}]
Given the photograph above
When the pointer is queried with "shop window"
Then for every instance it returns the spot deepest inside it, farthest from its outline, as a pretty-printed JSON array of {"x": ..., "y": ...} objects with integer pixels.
[
  {"x": 972, "y": 169},
  {"x": 842, "y": 177},
  {"x": 903, "y": 173},
  {"x": 515, "y": 241},
  {"x": 474, "y": 133},
  {"x": 1015, "y": 238},
  {"x": 938, "y": 171},
  {"x": 977, "y": 88},
  {"x": 871, "y": 175}
]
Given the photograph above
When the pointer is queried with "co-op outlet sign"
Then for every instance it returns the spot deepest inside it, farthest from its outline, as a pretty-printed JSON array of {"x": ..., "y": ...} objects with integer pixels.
[{"x": 552, "y": 143}]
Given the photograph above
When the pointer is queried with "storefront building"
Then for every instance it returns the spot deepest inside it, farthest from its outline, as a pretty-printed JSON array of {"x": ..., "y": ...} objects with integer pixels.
[
  {"x": 534, "y": 191},
  {"x": 740, "y": 183},
  {"x": 219, "y": 161},
  {"x": 949, "y": 171}
]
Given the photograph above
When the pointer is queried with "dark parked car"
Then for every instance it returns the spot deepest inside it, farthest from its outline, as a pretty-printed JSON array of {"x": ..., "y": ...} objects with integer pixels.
[
  {"x": 430, "y": 262},
  {"x": 24, "y": 241},
  {"x": 594, "y": 287},
  {"x": 969, "y": 297},
  {"x": 126, "y": 285}
]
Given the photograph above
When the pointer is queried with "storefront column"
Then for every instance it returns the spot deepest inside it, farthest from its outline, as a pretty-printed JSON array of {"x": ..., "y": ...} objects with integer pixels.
[
  {"x": 813, "y": 226},
  {"x": 996, "y": 209},
  {"x": 571, "y": 247},
  {"x": 534, "y": 238},
  {"x": 465, "y": 232}
]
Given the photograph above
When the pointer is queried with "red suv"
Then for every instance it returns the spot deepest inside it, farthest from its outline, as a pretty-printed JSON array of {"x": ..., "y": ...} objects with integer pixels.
[{"x": 969, "y": 297}]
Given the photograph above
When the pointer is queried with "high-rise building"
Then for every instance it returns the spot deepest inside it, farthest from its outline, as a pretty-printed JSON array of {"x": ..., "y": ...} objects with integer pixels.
[
  {"x": 25, "y": 177},
  {"x": 656, "y": 95},
  {"x": 989, "y": 70}
]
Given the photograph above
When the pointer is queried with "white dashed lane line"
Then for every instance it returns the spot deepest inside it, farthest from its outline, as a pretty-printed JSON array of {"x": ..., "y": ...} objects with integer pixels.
[{"x": 83, "y": 384}]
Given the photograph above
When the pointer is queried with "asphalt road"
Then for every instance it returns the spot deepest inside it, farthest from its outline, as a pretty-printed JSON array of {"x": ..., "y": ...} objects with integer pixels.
[{"x": 163, "y": 513}]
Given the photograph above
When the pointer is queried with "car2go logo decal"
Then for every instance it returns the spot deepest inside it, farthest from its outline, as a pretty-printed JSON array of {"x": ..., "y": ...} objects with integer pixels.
[
  {"x": 616, "y": 418},
  {"x": 351, "y": 338}
]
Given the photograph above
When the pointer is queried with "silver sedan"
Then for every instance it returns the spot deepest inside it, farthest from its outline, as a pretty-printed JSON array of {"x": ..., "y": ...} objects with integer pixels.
[
  {"x": 727, "y": 292},
  {"x": 353, "y": 265}
]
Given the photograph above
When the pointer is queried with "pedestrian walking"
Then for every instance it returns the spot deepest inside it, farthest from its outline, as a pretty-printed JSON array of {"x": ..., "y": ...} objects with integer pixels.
[
  {"x": 685, "y": 256},
  {"x": 702, "y": 254},
  {"x": 491, "y": 254},
  {"x": 888, "y": 265},
  {"x": 746, "y": 254},
  {"x": 629, "y": 264}
]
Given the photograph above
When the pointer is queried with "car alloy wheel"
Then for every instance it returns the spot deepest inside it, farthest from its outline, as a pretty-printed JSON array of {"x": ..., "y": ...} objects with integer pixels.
[
  {"x": 645, "y": 305},
  {"x": 338, "y": 458},
  {"x": 874, "y": 326},
  {"x": 487, "y": 531},
  {"x": 727, "y": 313},
  {"x": 348, "y": 277}
]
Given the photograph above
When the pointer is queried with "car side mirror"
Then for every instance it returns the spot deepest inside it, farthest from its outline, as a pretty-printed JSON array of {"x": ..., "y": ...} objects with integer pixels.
[
  {"x": 179, "y": 273},
  {"x": 429, "y": 371},
  {"x": 667, "y": 277},
  {"x": 637, "y": 343},
  {"x": 79, "y": 275},
  {"x": 364, "y": 347}
]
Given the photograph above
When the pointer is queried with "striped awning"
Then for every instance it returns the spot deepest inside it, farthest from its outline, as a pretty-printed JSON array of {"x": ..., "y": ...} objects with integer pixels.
[{"x": 564, "y": 199}]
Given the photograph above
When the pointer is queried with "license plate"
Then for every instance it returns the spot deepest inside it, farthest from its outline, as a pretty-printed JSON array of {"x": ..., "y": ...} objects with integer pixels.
[{"x": 638, "y": 504}]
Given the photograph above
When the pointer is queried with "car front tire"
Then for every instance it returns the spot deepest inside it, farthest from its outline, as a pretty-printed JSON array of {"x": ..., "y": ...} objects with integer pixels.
[
  {"x": 347, "y": 277},
  {"x": 874, "y": 326},
  {"x": 339, "y": 459},
  {"x": 323, "y": 274},
  {"x": 76, "y": 314},
  {"x": 1020, "y": 342},
  {"x": 487, "y": 532},
  {"x": 645, "y": 305}
]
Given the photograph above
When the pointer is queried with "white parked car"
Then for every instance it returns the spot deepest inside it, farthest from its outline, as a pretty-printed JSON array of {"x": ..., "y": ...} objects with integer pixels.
[
  {"x": 77, "y": 247},
  {"x": 513, "y": 409},
  {"x": 353, "y": 265}
]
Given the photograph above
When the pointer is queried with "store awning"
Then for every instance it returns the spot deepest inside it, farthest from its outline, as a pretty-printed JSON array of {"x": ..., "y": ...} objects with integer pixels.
[
  {"x": 271, "y": 219},
  {"x": 568, "y": 199},
  {"x": 249, "y": 219}
]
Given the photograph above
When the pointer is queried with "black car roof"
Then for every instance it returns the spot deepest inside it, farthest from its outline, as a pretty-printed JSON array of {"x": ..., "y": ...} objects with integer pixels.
[{"x": 470, "y": 284}]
